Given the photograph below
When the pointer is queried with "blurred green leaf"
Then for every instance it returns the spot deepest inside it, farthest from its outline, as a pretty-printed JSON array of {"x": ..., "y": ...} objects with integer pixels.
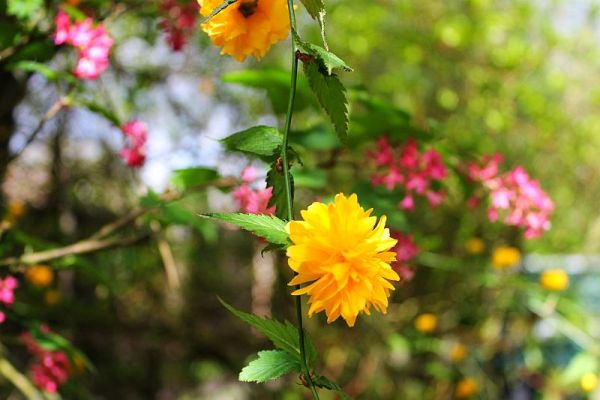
[
  {"x": 579, "y": 365},
  {"x": 317, "y": 137},
  {"x": 270, "y": 364},
  {"x": 312, "y": 179},
  {"x": 325, "y": 383},
  {"x": 44, "y": 70},
  {"x": 23, "y": 9},
  {"x": 190, "y": 177},
  {"x": 268, "y": 227}
]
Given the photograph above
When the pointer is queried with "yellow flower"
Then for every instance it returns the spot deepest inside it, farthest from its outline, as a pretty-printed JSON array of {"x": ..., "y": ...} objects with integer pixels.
[
  {"x": 505, "y": 257},
  {"x": 246, "y": 27},
  {"x": 588, "y": 382},
  {"x": 475, "y": 246},
  {"x": 426, "y": 323},
  {"x": 466, "y": 387},
  {"x": 458, "y": 352},
  {"x": 39, "y": 275},
  {"x": 345, "y": 253},
  {"x": 554, "y": 279}
]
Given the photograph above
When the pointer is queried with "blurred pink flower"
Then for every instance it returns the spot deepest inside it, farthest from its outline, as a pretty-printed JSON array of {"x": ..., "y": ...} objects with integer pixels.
[
  {"x": 405, "y": 250},
  {"x": 250, "y": 200},
  {"x": 178, "y": 21},
  {"x": 513, "y": 195},
  {"x": 50, "y": 369},
  {"x": 407, "y": 168},
  {"x": 7, "y": 287},
  {"x": 93, "y": 43},
  {"x": 136, "y": 135}
]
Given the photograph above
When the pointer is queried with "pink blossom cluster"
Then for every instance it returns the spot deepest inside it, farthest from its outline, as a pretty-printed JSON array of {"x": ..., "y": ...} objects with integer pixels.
[
  {"x": 93, "y": 43},
  {"x": 251, "y": 200},
  {"x": 409, "y": 169},
  {"x": 136, "y": 136},
  {"x": 178, "y": 21},
  {"x": 513, "y": 195},
  {"x": 7, "y": 293},
  {"x": 49, "y": 369},
  {"x": 406, "y": 249}
]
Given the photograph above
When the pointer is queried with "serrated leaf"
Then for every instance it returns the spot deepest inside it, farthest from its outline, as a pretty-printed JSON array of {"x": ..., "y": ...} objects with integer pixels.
[
  {"x": 190, "y": 177},
  {"x": 23, "y": 9},
  {"x": 284, "y": 335},
  {"x": 268, "y": 227},
  {"x": 270, "y": 364},
  {"x": 315, "y": 8},
  {"x": 278, "y": 198},
  {"x": 326, "y": 59},
  {"x": 259, "y": 140},
  {"x": 325, "y": 383},
  {"x": 331, "y": 95}
]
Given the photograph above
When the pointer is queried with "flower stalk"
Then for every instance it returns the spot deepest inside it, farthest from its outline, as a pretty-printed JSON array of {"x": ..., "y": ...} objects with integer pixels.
[{"x": 288, "y": 188}]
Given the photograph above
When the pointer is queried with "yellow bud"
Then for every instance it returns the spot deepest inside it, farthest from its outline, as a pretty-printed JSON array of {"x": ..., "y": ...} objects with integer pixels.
[
  {"x": 465, "y": 388},
  {"x": 458, "y": 352},
  {"x": 426, "y": 323},
  {"x": 39, "y": 275},
  {"x": 475, "y": 246},
  {"x": 588, "y": 382},
  {"x": 505, "y": 257},
  {"x": 554, "y": 279},
  {"x": 52, "y": 297}
]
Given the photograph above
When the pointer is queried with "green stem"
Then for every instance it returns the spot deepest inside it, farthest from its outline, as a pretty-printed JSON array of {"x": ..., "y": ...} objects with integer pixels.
[{"x": 288, "y": 191}]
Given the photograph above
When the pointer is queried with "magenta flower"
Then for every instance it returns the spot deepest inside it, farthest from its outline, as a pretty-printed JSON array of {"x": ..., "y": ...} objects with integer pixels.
[
  {"x": 178, "y": 21},
  {"x": 136, "y": 136},
  {"x": 407, "y": 168},
  {"x": 251, "y": 200},
  {"x": 49, "y": 369},
  {"x": 7, "y": 288},
  {"x": 405, "y": 250}
]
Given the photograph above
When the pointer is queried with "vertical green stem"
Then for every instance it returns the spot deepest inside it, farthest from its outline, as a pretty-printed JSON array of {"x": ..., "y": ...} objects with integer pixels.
[{"x": 288, "y": 190}]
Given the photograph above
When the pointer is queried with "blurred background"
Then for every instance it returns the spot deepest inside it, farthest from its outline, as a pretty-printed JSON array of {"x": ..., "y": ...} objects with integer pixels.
[{"x": 481, "y": 313}]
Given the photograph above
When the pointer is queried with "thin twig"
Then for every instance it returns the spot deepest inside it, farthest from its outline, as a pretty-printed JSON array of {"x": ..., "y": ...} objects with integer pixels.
[{"x": 19, "y": 380}]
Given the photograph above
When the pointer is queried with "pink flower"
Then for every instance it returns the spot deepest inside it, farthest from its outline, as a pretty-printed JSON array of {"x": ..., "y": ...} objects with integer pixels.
[
  {"x": 407, "y": 168},
  {"x": 515, "y": 198},
  {"x": 7, "y": 287},
  {"x": 2, "y": 317},
  {"x": 250, "y": 200},
  {"x": 93, "y": 44},
  {"x": 50, "y": 369},
  {"x": 178, "y": 21},
  {"x": 136, "y": 135},
  {"x": 406, "y": 250}
]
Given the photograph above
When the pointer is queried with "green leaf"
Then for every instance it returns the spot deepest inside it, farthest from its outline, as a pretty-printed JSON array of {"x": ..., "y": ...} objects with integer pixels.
[
  {"x": 191, "y": 177},
  {"x": 317, "y": 137},
  {"x": 23, "y": 9},
  {"x": 283, "y": 335},
  {"x": 268, "y": 227},
  {"x": 325, "y": 383},
  {"x": 325, "y": 58},
  {"x": 44, "y": 70},
  {"x": 278, "y": 198},
  {"x": 312, "y": 179},
  {"x": 276, "y": 82},
  {"x": 99, "y": 109},
  {"x": 315, "y": 8},
  {"x": 269, "y": 365},
  {"x": 259, "y": 140},
  {"x": 331, "y": 95}
]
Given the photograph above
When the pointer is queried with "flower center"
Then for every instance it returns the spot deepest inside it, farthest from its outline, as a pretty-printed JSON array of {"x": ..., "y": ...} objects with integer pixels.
[{"x": 247, "y": 8}]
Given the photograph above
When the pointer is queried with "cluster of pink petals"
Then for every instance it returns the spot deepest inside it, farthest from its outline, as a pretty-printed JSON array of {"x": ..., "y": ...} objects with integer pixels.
[
  {"x": 407, "y": 168},
  {"x": 251, "y": 200},
  {"x": 136, "y": 136},
  {"x": 178, "y": 21},
  {"x": 49, "y": 369},
  {"x": 7, "y": 293},
  {"x": 513, "y": 195},
  {"x": 406, "y": 249},
  {"x": 93, "y": 43}
]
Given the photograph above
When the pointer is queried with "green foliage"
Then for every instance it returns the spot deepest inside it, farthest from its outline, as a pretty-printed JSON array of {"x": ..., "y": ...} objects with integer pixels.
[
  {"x": 190, "y": 177},
  {"x": 262, "y": 141},
  {"x": 276, "y": 180},
  {"x": 47, "y": 72},
  {"x": 268, "y": 227},
  {"x": 331, "y": 95},
  {"x": 23, "y": 9},
  {"x": 101, "y": 110},
  {"x": 283, "y": 335},
  {"x": 270, "y": 364},
  {"x": 326, "y": 383},
  {"x": 315, "y": 8}
]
